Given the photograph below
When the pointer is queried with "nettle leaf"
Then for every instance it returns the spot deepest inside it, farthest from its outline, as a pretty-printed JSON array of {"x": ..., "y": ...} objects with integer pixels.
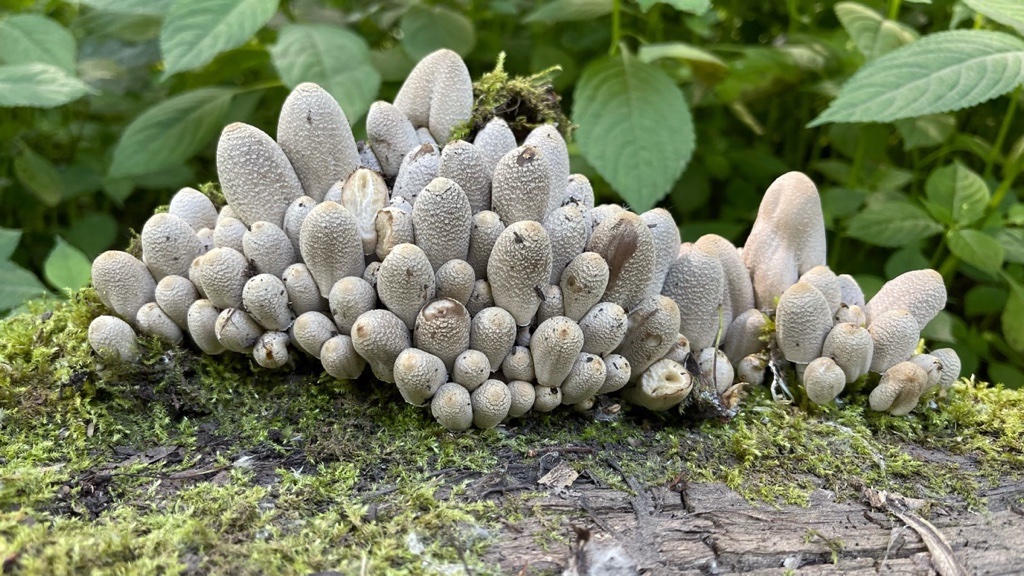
[
  {"x": 19, "y": 286},
  {"x": 429, "y": 28},
  {"x": 196, "y": 31},
  {"x": 956, "y": 194},
  {"x": 38, "y": 85},
  {"x": 706, "y": 66},
  {"x": 309, "y": 53},
  {"x": 697, "y": 7},
  {"x": 39, "y": 176},
  {"x": 1012, "y": 241},
  {"x": 892, "y": 224},
  {"x": 66, "y": 267},
  {"x": 27, "y": 38},
  {"x": 1006, "y": 12},
  {"x": 8, "y": 242},
  {"x": 873, "y": 34},
  {"x": 634, "y": 127},
  {"x": 977, "y": 249},
  {"x": 941, "y": 72},
  {"x": 926, "y": 131},
  {"x": 170, "y": 132},
  {"x": 1013, "y": 316},
  {"x": 569, "y": 11}
]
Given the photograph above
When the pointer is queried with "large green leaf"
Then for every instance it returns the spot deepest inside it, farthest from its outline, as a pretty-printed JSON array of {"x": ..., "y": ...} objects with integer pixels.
[
  {"x": 146, "y": 7},
  {"x": 1006, "y": 12},
  {"x": 873, "y": 34},
  {"x": 977, "y": 249},
  {"x": 956, "y": 194},
  {"x": 39, "y": 176},
  {"x": 429, "y": 28},
  {"x": 170, "y": 132},
  {"x": 196, "y": 31},
  {"x": 310, "y": 53},
  {"x": 19, "y": 286},
  {"x": 569, "y": 11},
  {"x": 1013, "y": 316},
  {"x": 892, "y": 224},
  {"x": 941, "y": 72},
  {"x": 926, "y": 131},
  {"x": 1012, "y": 241},
  {"x": 27, "y": 38},
  {"x": 697, "y": 7},
  {"x": 38, "y": 86},
  {"x": 635, "y": 128},
  {"x": 8, "y": 242},
  {"x": 66, "y": 268}
]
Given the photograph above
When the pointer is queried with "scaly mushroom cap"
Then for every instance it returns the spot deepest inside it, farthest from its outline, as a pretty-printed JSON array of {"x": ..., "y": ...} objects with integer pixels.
[
  {"x": 803, "y": 320},
  {"x": 518, "y": 365},
  {"x": 466, "y": 165},
  {"x": 555, "y": 346},
  {"x": 652, "y": 328},
  {"x": 826, "y": 281},
  {"x": 823, "y": 380},
  {"x": 932, "y": 367},
  {"x": 438, "y": 94},
  {"x": 494, "y": 141},
  {"x": 950, "y": 366},
  {"x": 169, "y": 245},
  {"x": 751, "y": 369},
  {"x": 303, "y": 294},
  {"x": 523, "y": 397},
  {"x": 568, "y": 232},
  {"x": 442, "y": 328},
  {"x": 175, "y": 294},
  {"x": 895, "y": 334},
  {"x": 521, "y": 186},
  {"x": 520, "y": 263},
  {"x": 455, "y": 279},
  {"x": 787, "y": 239},
  {"x": 666, "y": 246},
  {"x": 268, "y": 249},
  {"x": 225, "y": 212},
  {"x": 418, "y": 375},
  {"x": 617, "y": 374},
  {"x": 493, "y": 332},
  {"x": 265, "y": 298},
  {"x": 546, "y": 399},
  {"x": 899, "y": 389},
  {"x": 663, "y": 385},
  {"x": 626, "y": 244},
  {"x": 480, "y": 298},
  {"x": 236, "y": 330},
  {"x": 367, "y": 159},
  {"x": 549, "y": 141},
  {"x": 426, "y": 137},
  {"x": 452, "y": 407},
  {"x": 405, "y": 282},
  {"x": 851, "y": 293},
  {"x": 393, "y": 226},
  {"x": 586, "y": 377},
  {"x": 604, "y": 327},
  {"x": 579, "y": 191},
  {"x": 113, "y": 339},
  {"x": 330, "y": 245},
  {"x": 744, "y": 335},
  {"x": 921, "y": 292},
  {"x": 679, "y": 350},
  {"x": 583, "y": 282},
  {"x": 350, "y": 298},
  {"x": 223, "y": 273},
  {"x": 491, "y": 403},
  {"x": 551, "y": 304},
  {"x": 391, "y": 136},
  {"x": 852, "y": 314},
  {"x": 419, "y": 168},
  {"x": 193, "y": 207},
  {"x": 442, "y": 220},
  {"x": 716, "y": 368},
  {"x": 256, "y": 177},
  {"x": 315, "y": 135},
  {"x": 371, "y": 273},
  {"x": 696, "y": 283},
  {"x": 379, "y": 336},
  {"x": 739, "y": 292},
  {"x": 471, "y": 369},
  {"x": 205, "y": 236},
  {"x": 340, "y": 358},
  {"x": 293, "y": 217},
  {"x": 271, "y": 350},
  {"x": 229, "y": 233},
  {"x": 851, "y": 347},
  {"x": 202, "y": 322},
  {"x": 487, "y": 227},
  {"x": 310, "y": 330},
  {"x": 363, "y": 194}
]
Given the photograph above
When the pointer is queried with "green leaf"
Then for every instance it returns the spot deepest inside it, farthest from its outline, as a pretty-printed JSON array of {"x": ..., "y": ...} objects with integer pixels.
[
  {"x": 926, "y": 131},
  {"x": 170, "y": 132},
  {"x": 1012, "y": 241},
  {"x": 984, "y": 299},
  {"x": 941, "y": 72},
  {"x": 39, "y": 176},
  {"x": 706, "y": 66},
  {"x": 38, "y": 86},
  {"x": 196, "y": 31},
  {"x": 147, "y": 7},
  {"x": 873, "y": 34},
  {"x": 977, "y": 249},
  {"x": 1006, "y": 12},
  {"x": 892, "y": 224},
  {"x": 66, "y": 267},
  {"x": 1013, "y": 316},
  {"x": 569, "y": 11},
  {"x": 429, "y": 28},
  {"x": 957, "y": 195},
  {"x": 18, "y": 287},
  {"x": 1006, "y": 374},
  {"x": 8, "y": 242},
  {"x": 309, "y": 53},
  {"x": 904, "y": 260},
  {"x": 634, "y": 127},
  {"x": 93, "y": 233},
  {"x": 698, "y": 7},
  {"x": 28, "y": 38}
]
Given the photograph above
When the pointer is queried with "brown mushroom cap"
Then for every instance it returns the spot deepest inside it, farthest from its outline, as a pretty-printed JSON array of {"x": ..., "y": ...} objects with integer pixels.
[{"x": 663, "y": 385}]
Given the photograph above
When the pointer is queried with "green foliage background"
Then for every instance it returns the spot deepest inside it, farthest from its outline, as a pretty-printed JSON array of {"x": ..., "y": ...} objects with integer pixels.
[{"x": 904, "y": 112}]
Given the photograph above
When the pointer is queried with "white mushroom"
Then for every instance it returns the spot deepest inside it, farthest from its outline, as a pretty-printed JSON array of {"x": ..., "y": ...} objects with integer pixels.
[
  {"x": 493, "y": 332},
  {"x": 311, "y": 330},
  {"x": 169, "y": 245},
  {"x": 555, "y": 346},
  {"x": 520, "y": 263},
  {"x": 265, "y": 298},
  {"x": 442, "y": 328},
  {"x": 340, "y": 358},
  {"x": 193, "y": 207},
  {"x": 491, "y": 403},
  {"x": 271, "y": 350},
  {"x": 175, "y": 294},
  {"x": 152, "y": 321},
  {"x": 379, "y": 336},
  {"x": 236, "y": 330},
  {"x": 202, "y": 322},
  {"x": 350, "y": 298},
  {"x": 256, "y": 177},
  {"x": 442, "y": 220},
  {"x": 663, "y": 385},
  {"x": 268, "y": 249},
  {"x": 452, "y": 407},
  {"x": 113, "y": 339},
  {"x": 418, "y": 375}
]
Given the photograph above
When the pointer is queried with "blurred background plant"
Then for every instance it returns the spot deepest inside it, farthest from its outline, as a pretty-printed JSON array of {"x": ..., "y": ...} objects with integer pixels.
[{"x": 904, "y": 112}]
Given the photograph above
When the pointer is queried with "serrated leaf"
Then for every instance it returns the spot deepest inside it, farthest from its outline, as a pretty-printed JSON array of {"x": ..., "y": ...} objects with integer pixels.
[
  {"x": 892, "y": 224},
  {"x": 8, "y": 242},
  {"x": 926, "y": 131},
  {"x": 66, "y": 267},
  {"x": 569, "y": 11},
  {"x": 28, "y": 38},
  {"x": 941, "y": 72},
  {"x": 147, "y": 7},
  {"x": 1012, "y": 241},
  {"x": 1013, "y": 316},
  {"x": 873, "y": 34},
  {"x": 19, "y": 286},
  {"x": 170, "y": 132},
  {"x": 698, "y": 7},
  {"x": 977, "y": 249},
  {"x": 196, "y": 31},
  {"x": 309, "y": 53},
  {"x": 635, "y": 128},
  {"x": 38, "y": 86},
  {"x": 429, "y": 28},
  {"x": 39, "y": 176},
  {"x": 706, "y": 66},
  {"x": 1006, "y": 12},
  {"x": 957, "y": 194}
]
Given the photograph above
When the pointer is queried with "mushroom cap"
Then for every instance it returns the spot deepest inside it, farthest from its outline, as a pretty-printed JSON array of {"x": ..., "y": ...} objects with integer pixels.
[
  {"x": 716, "y": 368},
  {"x": 521, "y": 185},
  {"x": 617, "y": 373},
  {"x": 604, "y": 326},
  {"x": 932, "y": 367},
  {"x": 549, "y": 141},
  {"x": 518, "y": 365},
  {"x": 568, "y": 231},
  {"x": 418, "y": 169},
  {"x": 379, "y": 336},
  {"x": 950, "y": 366},
  {"x": 390, "y": 135},
  {"x": 626, "y": 244},
  {"x": 452, "y": 407},
  {"x": 696, "y": 283},
  {"x": 493, "y": 141},
  {"x": 853, "y": 314},
  {"x": 851, "y": 293},
  {"x": 223, "y": 273},
  {"x": 340, "y": 358},
  {"x": 367, "y": 159},
  {"x": 271, "y": 350},
  {"x": 310, "y": 330},
  {"x": 393, "y": 226},
  {"x": 652, "y": 330},
  {"x": 826, "y": 281},
  {"x": 442, "y": 328},
  {"x": 493, "y": 332},
  {"x": 406, "y": 282},
  {"x": 418, "y": 375},
  {"x": 583, "y": 282},
  {"x": 256, "y": 177},
  {"x": 751, "y": 369},
  {"x": 520, "y": 263},
  {"x": 202, "y": 322},
  {"x": 175, "y": 294},
  {"x": 586, "y": 377},
  {"x": 480, "y": 298},
  {"x": 466, "y": 165},
  {"x": 803, "y": 320},
  {"x": 268, "y": 249},
  {"x": 523, "y": 397},
  {"x": 152, "y": 321},
  {"x": 551, "y": 304},
  {"x": 899, "y": 389},
  {"x": 169, "y": 244},
  {"x": 363, "y": 194},
  {"x": 349, "y": 298},
  {"x": 739, "y": 291},
  {"x": 823, "y": 380},
  {"x": 442, "y": 220},
  {"x": 487, "y": 227},
  {"x": 303, "y": 294},
  {"x": 193, "y": 207},
  {"x": 491, "y": 403},
  {"x": 666, "y": 246},
  {"x": 438, "y": 93},
  {"x": 294, "y": 216},
  {"x": 471, "y": 369},
  {"x": 555, "y": 346},
  {"x": 229, "y": 233},
  {"x": 113, "y": 339},
  {"x": 579, "y": 191},
  {"x": 679, "y": 350},
  {"x": 265, "y": 298},
  {"x": 744, "y": 335},
  {"x": 920, "y": 292},
  {"x": 330, "y": 245},
  {"x": 663, "y": 385},
  {"x": 236, "y": 330},
  {"x": 895, "y": 334},
  {"x": 851, "y": 347},
  {"x": 455, "y": 279},
  {"x": 546, "y": 399}
]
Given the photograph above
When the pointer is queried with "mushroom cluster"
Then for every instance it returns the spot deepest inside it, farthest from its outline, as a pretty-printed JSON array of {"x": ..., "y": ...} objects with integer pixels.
[{"x": 480, "y": 278}]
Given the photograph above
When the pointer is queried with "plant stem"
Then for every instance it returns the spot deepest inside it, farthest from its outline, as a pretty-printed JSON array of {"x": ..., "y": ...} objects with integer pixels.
[
  {"x": 894, "y": 9},
  {"x": 948, "y": 268},
  {"x": 794, "y": 17},
  {"x": 997, "y": 146},
  {"x": 616, "y": 25}
]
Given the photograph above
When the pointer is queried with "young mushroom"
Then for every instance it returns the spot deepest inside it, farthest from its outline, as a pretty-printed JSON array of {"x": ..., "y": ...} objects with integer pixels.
[
  {"x": 442, "y": 328},
  {"x": 568, "y": 232},
  {"x": 617, "y": 374},
  {"x": 418, "y": 375},
  {"x": 583, "y": 282},
  {"x": 193, "y": 207},
  {"x": 520, "y": 263},
  {"x": 256, "y": 176},
  {"x": 493, "y": 332},
  {"x": 466, "y": 165},
  {"x": 303, "y": 294},
  {"x": 696, "y": 283},
  {"x": 663, "y": 385},
  {"x": 202, "y": 322},
  {"x": 175, "y": 294},
  {"x": 223, "y": 273},
  {"x": 899, "y": 389},
  {"x": 803, "y": 320},
  {"x": 653, "y": 327},
  {"x": 406, "y": 282},
  {"x": 518, "y": 365},
  {"x": 271, "y": 350},
  {"x": 310, "y": 330},
  {"x": 455, "y": 279},
  {"x": 418, "y": 169},
  {"x": 604, "y": 327},
  {"x": 379, "y": 336},
  {"x": 922, "y": 293},
  {"x": 523, "y": 397},
  {"x": 851, "y": 347},
  {"x": 493, "y": 141},
  {"x": 666, "y": 246},
  {"x": 452, "y": 407},
  {"x": 265, "y": 298},
  {"x": 229, "y": 234},
  {"x": 626, "y": 244},
  {"x": 823, "y": 380},
  {"x": 521, "y": 186},
  {"x": 487, "y": 227},
  {"x": 895, "y": 334},
  {"x": 268, "y": 249},
  {"x": 555, "y": 347},
  {"x": 491, "y": 403},
  {"x": 391, "y": 136},
  {"x": 585, "y": 378},
  {"x": 237, "y": 331},
  {"x": 330, "y": 245},
  {"x": 442, "y": 220},
  {"x": 471, "y": 369},
  {"x": 113, "y": 339},
  {"x": 152, "y": 321},
  {"x": 169, "y": 244},
  {"x": 340, "y": 358},
  {"x": 546, "y": 399},
  {"x": 349, "y": 298}
]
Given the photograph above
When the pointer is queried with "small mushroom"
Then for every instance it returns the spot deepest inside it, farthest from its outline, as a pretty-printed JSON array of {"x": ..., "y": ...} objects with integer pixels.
[
  {"x": 932, "y": 367},
  {"x": 202, "y": 322},
  {"x": 265, "y": 298},
  {"x": 716, "y": 368},
  {"x": 391, "y": 135},
  {"x": 583, "y": 282},
  {"x": 823, "y": 380},
  {"x": 696, "y": 283},
  {"x": 452, "y": 407},
  {"x": 586, "y": 377},
  {"x": 751, "y": 369},
  {"x": 471, "y": 369},
  {"x": 521, "y": 186},
  {"x": 803, "y": 320},
  {"x": 523, "y": 398},
  {"x": 493, "y": 141},
  {"x": 665, "y": 233},
  {"x": 442, "y": 328},
  {"x": 229, "y": 234},
  {"x": 899, "y": 389},
  {"x": 739, "y": 292},
  {"x": 310, "y": 330},
  {"x": 193, "y": 207},
  {"x": 442, "y": 219},
  {"x": 555, "y": 346},
  {"x": 493, "y": 332},
  {"x": 826, "y": 281},
  {"x": 256, "y": 176},
  {"x": 663, "y": 385},
  {"x": 405, "y": 282},
  {"x": 379, "y": 336},
  {"x": 851, "y": 347},
  {"x": 617, "y": 374},
  {"x": 467, "y": 166},
  {"x": 480, "y": 298},
  {"x": 518, "y": 364},
  {"x": 579, "y": 191},
  {"x": 367, "y": 159},
  {"x": 113, "y": 339},
  {"x": 455, "y": 279},
  {"x": 744, "y": 335},
  {"x": 152, "y": 321},
  {"x": 921, "y": 292},
  {"x": 169, "y": 245},
  {"x": 487, "y": 227},
  {"x": 626, "y": 244},
  {"x": 330, "y": 245},
  {"x": 895, "y": 334},
  {"x": 340, "y": 358},
  {"x": 225, "y": 212},
  {"x": 851, "y": 314},
  {"x": 303, "y": 294},
  {"x": 491, "y": 403},
  {"x": 418, "y": 375},
  {"x": 652, "y": 328},
  {"x": 549, "y": 141},
  {"x": 418, "y": 169},
  {"x": 425, "y": 136},
  {"x": 546, "y": 399},
  {"x": 604, "y": 327},
  {"x": 519, "y": 264},
  {"x": 350, "y": 298},
  {"x": 236, "y": 330},
  {"x": 551, "y": 303},
  {"x": 393, "y": 226},
  {"x": 568, "y": 232},
  {"x": 950, "y": 366},
  {"x": 175, "y": 294},
  {"x": 850, "y": 292},
  {"x": 294, "y": 216},
  {"x": 271, "y": 350},
  {"x": 268, "y": 249},
  {"x": 223, "y": 273}
]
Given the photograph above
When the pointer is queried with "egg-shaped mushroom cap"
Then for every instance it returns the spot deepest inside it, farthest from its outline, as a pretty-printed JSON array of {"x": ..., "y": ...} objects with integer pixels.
[
  {"x": 466, "y": 165},
  {"x": 349, "y": 298},
  {"x": 202, "y": 322},
  {"x": 256, "y": 177},
  {"x": 418, "y": 375},
  {"x": 744, "y": 335},
  {"x": 303, "y": 294},
  {"x": 390, "y": 135},
  {"x": 895, "y": 335},
  {"x": 521, "y": 185},
  {"x": 229, "y": 233},
  {"x": 826, "y": 281},
  {"x": 113, "y": 339},
  {"x": 586, "y": 377},
  {"x": 803, "y": 320},
  {"x": 268, "y": 249},
  {"x": 265, "y": 298},
  {"x": 406, "y": 282},
  {"x": 442, "y": 220},
  {"x": 236, "y": 330},
  {"x": 617, "y": 373},
  {"x": 899, "y": 389},
  {"x": 626, "y": 244},
  {"x": 175, "y": 294},
  {"x": 493, "y": 141},
  {"x": 480, "y": 298},
  {"x": 523, "y": 397},
  {"x": 169, "y": 244},
  {"x": 491, "y": 403},
  {"x": 555, "y": 345},
  {"x": 716, "y": 368},
  {"x": 193, "y": 207},
  {"x": 739, "y": 291},
  {"x": 549, "y": 141},
  {"x": 920, "y": 292},
  {"x": 419, "y": 167},
  {"x": 455, "y": 279},
  {"x": 223, "y": 273},
  {"x": 520, "y": 263},
  {"x": 152, "y": 321},
  {"x": 487, "y": 227},
  {"x": 851, "y": 347},
  {"x": 330, "y": 245},
  {"x": 379, "y": 336},
  {"x": 568, "y": 231},
  {"x": 493, "y": 332},
  {"x": 471, "y": 369},
  {"x": 663, "y": 385},
  {"x": 950, "y": 366},
  {"x": 751, "y": 369},
  {"x": 850, "y": 290},
  {"x": 604, "y": 326},
  {"x": 437, "y": 93},
  {"x": 518, "y": 365},
  {"x": 271, "y": 350},
  {"x": 583, "y": 283},
  {"x": 311, "y": 330},
  {"x": 666, "y": 245},
  {"x": 696, "y": 283},
  {"x": 823, "y": 380},
  {"x": 546, "y": 399},
  {"x": 551, "y": 303},
  {"x": 653, "y": 327},
  {"x": 443, "y": 328},
  {"x": 294, "y": 216},
  {"x": 452, "y": 407},
  {"x": 340, "y": 358}
]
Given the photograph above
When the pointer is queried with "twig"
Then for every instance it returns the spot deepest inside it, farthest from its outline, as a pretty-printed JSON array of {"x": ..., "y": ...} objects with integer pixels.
[{"x": 504, "y": 489}]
